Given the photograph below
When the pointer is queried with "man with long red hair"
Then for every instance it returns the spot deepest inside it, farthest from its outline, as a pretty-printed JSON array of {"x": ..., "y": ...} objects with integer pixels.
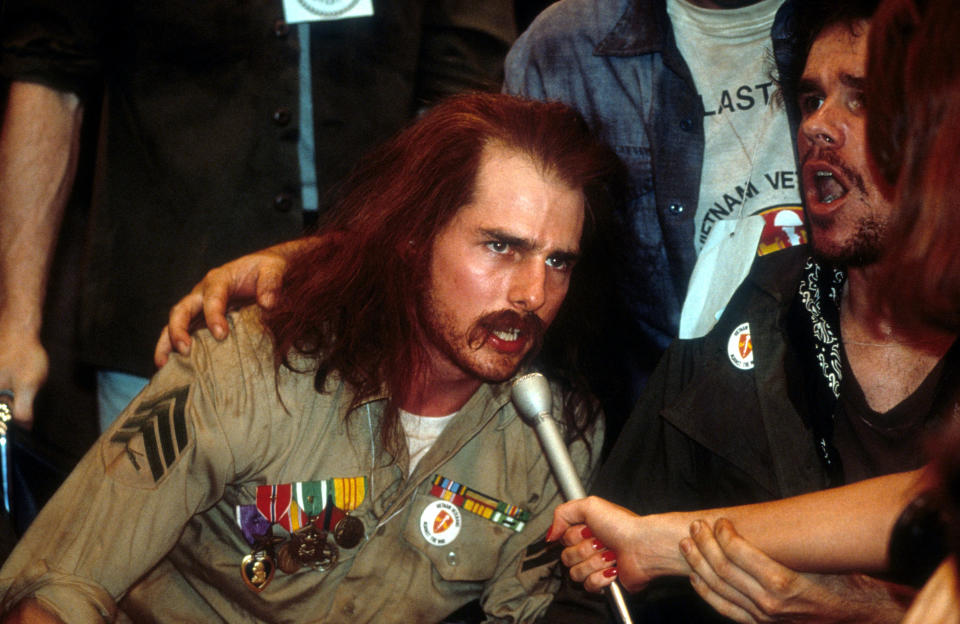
[{"x": 352, "y": 454}]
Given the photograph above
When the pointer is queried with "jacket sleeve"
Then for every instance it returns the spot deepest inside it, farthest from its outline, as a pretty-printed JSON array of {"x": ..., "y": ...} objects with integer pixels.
[
  {"x": 651, "y": 465},
  {"x": 52, "y": 43},
  {"x": 528, "y": 577},
  {"x": 125, "y": 505}
]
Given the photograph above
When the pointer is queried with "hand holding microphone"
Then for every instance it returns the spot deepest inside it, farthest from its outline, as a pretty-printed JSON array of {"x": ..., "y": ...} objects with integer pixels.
[{"x": 532, "y": 399}]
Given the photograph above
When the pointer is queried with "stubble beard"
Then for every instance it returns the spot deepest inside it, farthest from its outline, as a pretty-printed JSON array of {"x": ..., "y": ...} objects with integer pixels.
[
  {"x": 861, "y": 249},
  {"x": 865, "y": 246}
]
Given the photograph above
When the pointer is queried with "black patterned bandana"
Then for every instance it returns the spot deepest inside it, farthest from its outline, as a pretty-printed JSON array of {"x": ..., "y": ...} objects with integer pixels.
[
  {"x": 819, "y": 293},
  {"x": 819, "y": 299}
]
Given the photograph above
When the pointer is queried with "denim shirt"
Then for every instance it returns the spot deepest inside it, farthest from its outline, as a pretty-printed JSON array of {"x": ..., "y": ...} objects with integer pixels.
[{"x": 617, "y": 63}]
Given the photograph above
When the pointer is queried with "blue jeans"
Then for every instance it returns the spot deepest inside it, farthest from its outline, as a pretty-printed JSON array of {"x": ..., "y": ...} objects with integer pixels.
[{"x": 115, "y": 390}]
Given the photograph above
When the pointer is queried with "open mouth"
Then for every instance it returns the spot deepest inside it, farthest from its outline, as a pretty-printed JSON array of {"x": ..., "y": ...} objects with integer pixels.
[
  {"x": 508, "y": 332},
  {"x": 508, "y": 335},
  {"x": 511, "y": 340},
  {"x": 829, "y": 189}
]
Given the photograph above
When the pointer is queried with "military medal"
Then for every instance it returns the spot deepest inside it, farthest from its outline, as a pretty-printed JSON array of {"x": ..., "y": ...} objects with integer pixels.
[
  {"x": 257, "y": 570},
  {"x": 348, "y": 532},
  {"x": 258, "y": 567},
  {"x": 310, "y": 511},
  {"x": 287, "y": 558},
  {"x": 308, "y": 546},
  {"x": 252, "y": 523},
  {"x": 329, "y": 502},
  {"x": 278, "y": 504}
]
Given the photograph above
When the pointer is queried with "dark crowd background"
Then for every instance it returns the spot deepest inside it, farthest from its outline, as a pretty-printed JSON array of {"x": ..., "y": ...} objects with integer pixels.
[{"x": 66, "y": 425}]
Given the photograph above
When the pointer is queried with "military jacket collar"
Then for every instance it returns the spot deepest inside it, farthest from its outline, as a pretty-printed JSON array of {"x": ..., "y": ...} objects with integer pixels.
[{"x": 490, "y": 401}]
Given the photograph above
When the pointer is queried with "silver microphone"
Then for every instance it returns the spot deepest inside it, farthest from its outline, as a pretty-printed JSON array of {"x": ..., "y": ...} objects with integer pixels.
[{"x": 532, "y": 398}]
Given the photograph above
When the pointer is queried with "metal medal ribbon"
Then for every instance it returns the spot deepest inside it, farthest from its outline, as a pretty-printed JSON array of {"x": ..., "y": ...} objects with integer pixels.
[
  {"x": 309, "y": 511},
  {"x": 329, "y": 504},
  {"x": 475, "y": 502}
]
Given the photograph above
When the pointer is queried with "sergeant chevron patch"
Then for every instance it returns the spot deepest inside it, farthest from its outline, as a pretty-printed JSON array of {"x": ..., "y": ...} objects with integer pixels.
[{"x": 156, "y": 433}]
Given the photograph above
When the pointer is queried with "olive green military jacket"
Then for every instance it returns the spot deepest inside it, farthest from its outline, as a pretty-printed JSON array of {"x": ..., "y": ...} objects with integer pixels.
[{"x": 147, "y": 525}]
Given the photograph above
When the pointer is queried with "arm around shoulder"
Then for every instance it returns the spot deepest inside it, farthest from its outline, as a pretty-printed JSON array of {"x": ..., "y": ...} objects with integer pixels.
[{"x": 125, "y": 506}]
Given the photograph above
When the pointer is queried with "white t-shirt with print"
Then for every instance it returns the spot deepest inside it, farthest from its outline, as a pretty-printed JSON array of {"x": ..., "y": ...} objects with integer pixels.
[{"x": 749, "y": 169}]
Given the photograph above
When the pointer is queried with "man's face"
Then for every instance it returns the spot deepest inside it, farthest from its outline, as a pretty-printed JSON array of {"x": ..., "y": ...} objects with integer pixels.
[
  {"x": 500, "y": 269},
  {"x": 847, "y": 212}
]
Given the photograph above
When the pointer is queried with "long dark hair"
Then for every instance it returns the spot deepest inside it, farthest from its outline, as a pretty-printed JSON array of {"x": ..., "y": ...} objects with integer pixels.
[
  {"x": 350, "y": 303},
  {"x": 808, "y": 20}
]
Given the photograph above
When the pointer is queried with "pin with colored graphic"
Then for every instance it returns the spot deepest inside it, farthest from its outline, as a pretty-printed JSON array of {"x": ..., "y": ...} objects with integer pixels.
[
  {"x": 440, "y": 523},
  {"x": 740, "y": 347}
]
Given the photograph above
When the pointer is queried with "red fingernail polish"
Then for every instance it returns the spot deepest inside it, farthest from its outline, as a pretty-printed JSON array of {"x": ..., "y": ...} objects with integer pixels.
[
  {"x": 549, "y": 537},
  {"x": 610, "y": 572},
  {"x": 598, "y": 545},
  {"x": 609, "y": 556},
  {"x": 586, "y": 533}
]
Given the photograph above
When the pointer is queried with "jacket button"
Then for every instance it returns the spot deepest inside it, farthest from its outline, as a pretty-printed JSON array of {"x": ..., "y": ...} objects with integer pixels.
[
  {"x": 686, "y": 125},
  {"x": 452, "y": 558},
  {"x": 282, "y": 116},
  {"x": 283, "y": 202},
  {"x": 281, "y": 29},
  {"x": 676, "y": 209}
]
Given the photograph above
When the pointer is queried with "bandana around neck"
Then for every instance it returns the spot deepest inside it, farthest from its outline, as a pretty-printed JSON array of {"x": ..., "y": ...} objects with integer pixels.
[{"x": 819, "y": 298}]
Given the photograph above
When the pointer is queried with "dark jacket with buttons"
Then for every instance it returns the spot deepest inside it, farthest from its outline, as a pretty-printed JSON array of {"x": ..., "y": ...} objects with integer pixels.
[
  {"x": 716, "y": 428},
  {"x": 711, "y": 433},
  {"x": 197, "y": 150},
  {"x": 713, "y": 429}
]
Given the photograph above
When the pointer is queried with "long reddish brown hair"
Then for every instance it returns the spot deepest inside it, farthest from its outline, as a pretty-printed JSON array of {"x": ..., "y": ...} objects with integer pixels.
[
  {"x": 913, "y": 104},
  {"x": 351, "y": 303}
]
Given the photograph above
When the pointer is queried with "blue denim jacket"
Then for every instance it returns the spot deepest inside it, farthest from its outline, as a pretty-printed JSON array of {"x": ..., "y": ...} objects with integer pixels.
[{"x": 617, "y": 63}]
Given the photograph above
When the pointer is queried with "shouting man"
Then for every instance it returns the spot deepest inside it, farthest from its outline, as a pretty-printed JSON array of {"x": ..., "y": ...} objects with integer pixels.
[
  {"x": 804, "y": 383},
  {"x": 352, "y": 454}
]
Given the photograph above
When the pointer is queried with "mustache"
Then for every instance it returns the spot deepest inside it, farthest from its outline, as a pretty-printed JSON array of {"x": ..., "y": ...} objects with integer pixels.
[
  {"x": 838, "y": 163},
  {"x": 529, "y": 324}
]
